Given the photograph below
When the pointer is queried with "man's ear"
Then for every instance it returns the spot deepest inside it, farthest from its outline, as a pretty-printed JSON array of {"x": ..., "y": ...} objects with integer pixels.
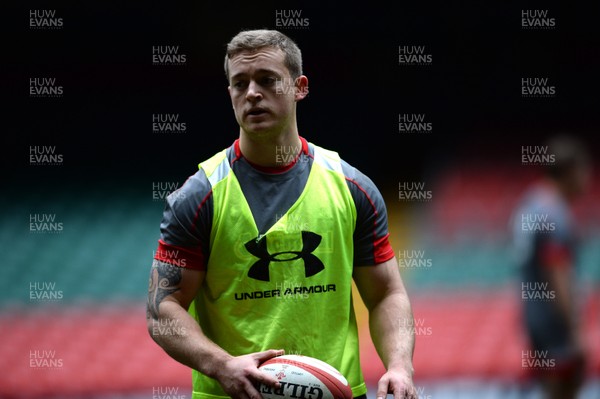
[{"x": 301, "y": 84}]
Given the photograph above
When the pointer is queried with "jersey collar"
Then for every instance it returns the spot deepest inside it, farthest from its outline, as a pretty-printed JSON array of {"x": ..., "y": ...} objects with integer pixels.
[{"x": 271, "y": 169}]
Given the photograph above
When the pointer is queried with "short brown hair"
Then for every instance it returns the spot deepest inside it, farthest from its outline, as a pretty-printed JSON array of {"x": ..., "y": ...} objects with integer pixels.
[{"x": 260, "y": 38}]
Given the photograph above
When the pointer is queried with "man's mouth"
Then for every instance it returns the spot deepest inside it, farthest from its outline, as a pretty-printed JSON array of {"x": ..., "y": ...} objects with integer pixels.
[{"x": 256, "y": 112}]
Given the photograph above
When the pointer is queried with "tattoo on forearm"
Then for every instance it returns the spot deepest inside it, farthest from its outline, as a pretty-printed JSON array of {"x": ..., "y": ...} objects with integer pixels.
[{"x": 164, "y": 280}]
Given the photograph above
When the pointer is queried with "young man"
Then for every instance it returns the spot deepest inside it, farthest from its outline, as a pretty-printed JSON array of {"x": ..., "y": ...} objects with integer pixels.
[
  {"x": 545, "y": 240},
  {"x": 261, "y": 246}
]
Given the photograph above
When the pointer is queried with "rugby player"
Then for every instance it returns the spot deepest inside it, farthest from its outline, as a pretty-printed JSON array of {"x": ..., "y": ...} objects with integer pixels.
[{"x": 258, "y": 249}]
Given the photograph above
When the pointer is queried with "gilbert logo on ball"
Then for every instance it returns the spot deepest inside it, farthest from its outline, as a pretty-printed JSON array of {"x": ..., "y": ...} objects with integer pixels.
[{"x": 303, "y": 377}]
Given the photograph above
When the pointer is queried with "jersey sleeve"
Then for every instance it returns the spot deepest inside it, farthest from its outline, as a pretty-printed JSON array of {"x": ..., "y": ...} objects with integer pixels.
[
  {"x": 371, "y": 236},
  {"x": 186, "y": 224}
]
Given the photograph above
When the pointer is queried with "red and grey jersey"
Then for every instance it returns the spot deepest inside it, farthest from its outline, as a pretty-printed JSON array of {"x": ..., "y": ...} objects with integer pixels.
[{"x": 270, "y": 192}]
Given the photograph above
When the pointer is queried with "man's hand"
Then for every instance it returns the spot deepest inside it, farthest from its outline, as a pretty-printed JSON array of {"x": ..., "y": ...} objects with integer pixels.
[
  {"x": 240, "y": 375},
  {"x": 397, "y": 383}
]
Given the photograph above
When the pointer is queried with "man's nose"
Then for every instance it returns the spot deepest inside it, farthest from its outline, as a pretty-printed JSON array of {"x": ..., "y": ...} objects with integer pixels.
[{"x": 253, "y": 94}]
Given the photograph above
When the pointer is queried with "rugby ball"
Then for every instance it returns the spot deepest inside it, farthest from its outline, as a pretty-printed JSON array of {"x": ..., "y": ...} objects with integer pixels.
[{"x": 303, "y": 377}]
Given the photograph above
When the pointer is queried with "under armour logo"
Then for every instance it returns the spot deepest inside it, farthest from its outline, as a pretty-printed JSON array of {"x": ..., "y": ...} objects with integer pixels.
[{"x": 260, "y": 269}]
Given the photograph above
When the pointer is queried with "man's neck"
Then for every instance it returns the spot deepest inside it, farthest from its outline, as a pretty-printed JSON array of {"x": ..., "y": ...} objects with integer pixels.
[{"x": 271, "y": 152}]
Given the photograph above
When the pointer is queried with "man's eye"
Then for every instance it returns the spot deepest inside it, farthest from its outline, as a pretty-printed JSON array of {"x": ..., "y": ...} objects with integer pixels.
[
  {"x": 239, "y": 84},
  {"x": 268, "y": 81}
]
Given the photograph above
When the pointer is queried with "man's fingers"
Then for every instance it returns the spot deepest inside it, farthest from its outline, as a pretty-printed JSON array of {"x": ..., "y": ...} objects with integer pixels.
[
  {"x": 266, "y": 355},
  {"x": 251, "y": 391},
  {"x": 382, "y": 388},
  {"x": 407, "y": 392},
  {"x": 260, "y": 357},
  {"x": 260, "y": 377}
]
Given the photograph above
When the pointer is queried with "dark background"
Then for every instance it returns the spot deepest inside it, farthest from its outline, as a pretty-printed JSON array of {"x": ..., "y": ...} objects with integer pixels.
[{"x": 471, "y": 92}]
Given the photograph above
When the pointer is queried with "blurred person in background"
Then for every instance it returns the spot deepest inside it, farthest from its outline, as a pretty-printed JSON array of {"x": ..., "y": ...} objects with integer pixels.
[{"x": 545, "y": 241}]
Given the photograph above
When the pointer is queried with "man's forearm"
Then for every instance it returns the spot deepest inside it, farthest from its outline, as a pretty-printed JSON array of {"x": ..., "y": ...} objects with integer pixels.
[
  {"x": 171, "y": 290},
  {"x": 182, "y": 338},
  {"x": 392, "y": 330},
  {"x": 171, "y": 326}
]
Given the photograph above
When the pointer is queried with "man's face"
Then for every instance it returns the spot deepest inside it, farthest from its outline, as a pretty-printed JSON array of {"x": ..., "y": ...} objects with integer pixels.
[{"x": 262, "y": 92}]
